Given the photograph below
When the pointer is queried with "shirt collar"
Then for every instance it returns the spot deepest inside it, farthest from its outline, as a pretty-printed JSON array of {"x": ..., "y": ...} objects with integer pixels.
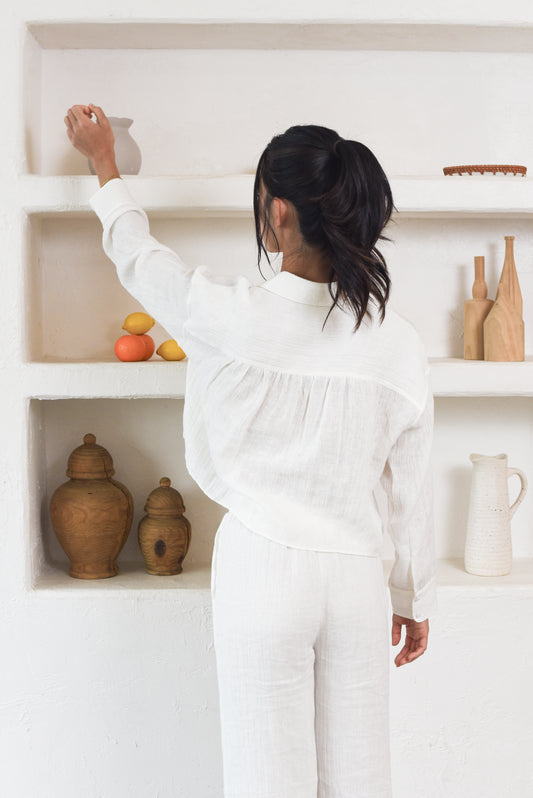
[{"x": 291, "y": 286}]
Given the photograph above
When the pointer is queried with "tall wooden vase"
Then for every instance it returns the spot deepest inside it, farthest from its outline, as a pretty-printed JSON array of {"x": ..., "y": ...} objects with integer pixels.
[
  {"x": 503, "y": 329},
  {"x": 475, "y": 313},
  {"x": 91, "y": 513}
]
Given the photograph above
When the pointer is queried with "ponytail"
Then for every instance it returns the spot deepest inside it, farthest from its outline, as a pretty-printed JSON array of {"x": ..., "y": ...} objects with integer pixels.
[{"x": 343, "y": 201}]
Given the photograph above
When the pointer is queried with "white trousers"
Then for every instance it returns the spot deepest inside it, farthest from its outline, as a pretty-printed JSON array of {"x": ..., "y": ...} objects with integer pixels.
[{"x": 302, "y": 653}]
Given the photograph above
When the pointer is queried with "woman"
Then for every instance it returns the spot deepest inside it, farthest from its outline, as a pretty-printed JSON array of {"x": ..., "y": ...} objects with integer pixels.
[{"x": 292, "y": 419}]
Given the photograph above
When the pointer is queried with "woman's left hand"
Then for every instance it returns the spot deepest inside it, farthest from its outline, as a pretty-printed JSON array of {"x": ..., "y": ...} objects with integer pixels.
[
  {"x": 95, "y": 140},
  {"x": 416, "y": 638}
]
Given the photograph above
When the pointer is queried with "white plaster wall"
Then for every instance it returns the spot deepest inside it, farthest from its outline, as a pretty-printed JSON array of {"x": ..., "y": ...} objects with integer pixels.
[
  {"x": 113, "y": 694},
  {"x": 186, "y": 122}
]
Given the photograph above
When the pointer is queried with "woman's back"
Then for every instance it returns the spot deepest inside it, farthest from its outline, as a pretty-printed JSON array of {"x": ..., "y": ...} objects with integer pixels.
[{"x": 290, "y": 425}]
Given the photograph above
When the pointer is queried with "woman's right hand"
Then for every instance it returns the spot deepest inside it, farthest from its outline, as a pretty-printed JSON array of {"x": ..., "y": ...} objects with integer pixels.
[
  {"x": 95, "y": 140},
  {"x": 416, "y": 638}
]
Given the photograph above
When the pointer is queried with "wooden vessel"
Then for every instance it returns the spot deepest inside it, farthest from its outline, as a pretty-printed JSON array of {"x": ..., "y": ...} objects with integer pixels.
[
  {"x": 164, "y": 533},
  {"x": 475, "y": 313},
  {"x": 503, "y": 329},
  {"x": 91, "y": 513}
]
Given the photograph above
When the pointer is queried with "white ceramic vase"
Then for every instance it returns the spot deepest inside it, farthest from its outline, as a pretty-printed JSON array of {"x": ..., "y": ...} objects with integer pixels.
[
  {"x": 127, "y": 152},
  {"x": 488, "y": 548}
]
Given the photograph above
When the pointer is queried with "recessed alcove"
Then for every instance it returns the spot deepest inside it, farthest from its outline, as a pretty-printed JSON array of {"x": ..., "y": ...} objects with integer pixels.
[
  {"x": 145, "y": 440},
  {"x": 488, "y": 426},
  {"x": 221, "y": 80},
  {"x": 75, "y": 304}
]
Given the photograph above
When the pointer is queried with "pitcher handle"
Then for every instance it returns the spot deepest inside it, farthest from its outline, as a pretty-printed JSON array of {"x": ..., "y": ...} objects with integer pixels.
[{"x": 523, "y": 480}]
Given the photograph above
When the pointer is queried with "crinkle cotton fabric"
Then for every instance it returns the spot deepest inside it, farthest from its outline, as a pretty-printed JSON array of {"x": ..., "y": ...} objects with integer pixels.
[
  {"x": 302, "y": 651},
  {"x": 294, "y": 427}
]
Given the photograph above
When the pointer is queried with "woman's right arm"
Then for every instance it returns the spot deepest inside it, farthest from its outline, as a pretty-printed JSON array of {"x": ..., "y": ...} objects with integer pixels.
[{"x": 150, "y": 271}]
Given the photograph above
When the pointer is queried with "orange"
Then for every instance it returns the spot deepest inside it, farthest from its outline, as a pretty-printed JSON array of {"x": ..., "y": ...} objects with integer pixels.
[
  {"x": 131, "y": 347},
  {"x": 149, "y": 345}
]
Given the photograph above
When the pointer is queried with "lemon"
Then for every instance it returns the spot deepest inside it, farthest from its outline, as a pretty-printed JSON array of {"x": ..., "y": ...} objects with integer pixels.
[
  {"x": 138, "y": 323},
  {"x": 169, "y": 350}
]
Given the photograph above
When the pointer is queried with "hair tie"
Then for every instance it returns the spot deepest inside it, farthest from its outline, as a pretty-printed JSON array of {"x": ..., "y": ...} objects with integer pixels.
[{"x": 335, "y": 146}]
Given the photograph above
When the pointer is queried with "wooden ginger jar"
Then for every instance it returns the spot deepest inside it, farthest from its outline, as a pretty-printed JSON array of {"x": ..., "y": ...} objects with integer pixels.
[
  {"x": 91, "y": 513},
  {"x": 164, "y": 533}
]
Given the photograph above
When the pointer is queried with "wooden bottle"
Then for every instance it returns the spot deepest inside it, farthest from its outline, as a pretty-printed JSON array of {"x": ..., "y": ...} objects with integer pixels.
[
  {"x": 503, "y": 329},
  {"x": 91, "y": 513},
  {"x": 475, "y": 313},
  {"x": 164, "y": 533}
]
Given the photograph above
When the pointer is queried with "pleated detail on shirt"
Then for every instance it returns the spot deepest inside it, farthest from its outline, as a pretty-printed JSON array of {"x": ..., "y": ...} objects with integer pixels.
[{"x": 295, "y": 456}]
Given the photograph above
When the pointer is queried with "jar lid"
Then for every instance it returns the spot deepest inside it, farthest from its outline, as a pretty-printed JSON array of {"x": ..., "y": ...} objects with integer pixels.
[
  {"x": 165, "y": 501},
  {"x": 90, "y": 461}
]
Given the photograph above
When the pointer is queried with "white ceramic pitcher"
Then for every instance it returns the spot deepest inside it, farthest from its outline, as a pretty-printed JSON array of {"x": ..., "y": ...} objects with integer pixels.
[{"x": 488, "y": 548}]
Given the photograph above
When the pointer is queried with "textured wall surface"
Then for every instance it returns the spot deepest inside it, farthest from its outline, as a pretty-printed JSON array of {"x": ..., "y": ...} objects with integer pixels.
[{"x": 111, "y": 693}]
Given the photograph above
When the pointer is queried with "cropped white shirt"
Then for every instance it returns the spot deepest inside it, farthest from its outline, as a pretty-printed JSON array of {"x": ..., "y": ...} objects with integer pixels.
[{"x": 291, "y": 427}]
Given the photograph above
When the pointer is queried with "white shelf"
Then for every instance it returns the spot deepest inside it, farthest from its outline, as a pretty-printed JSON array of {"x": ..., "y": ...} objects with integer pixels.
[
  {"x": 451, "y": 576},
  {"x": 132, "y": 579},
  {"x": 463, "y": 195},
  {"x": 231, "y": 195},
  {"x": 151, "y": 379},
  {"x": 164, "y": 196},
  {"x": 450, "y": 377},
  {"x": 275, "y": 35}
]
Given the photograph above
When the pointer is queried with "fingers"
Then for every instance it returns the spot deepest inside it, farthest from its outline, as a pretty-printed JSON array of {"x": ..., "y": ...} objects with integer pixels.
[
  {"x": 99, "y": 114},
  {"x": 396, "y": 632},
  {"x": 405, "y": 656},
  {"x": 71, "y": 119},
  {"x": 77, "y": 114},
  {"x": 413, "y": 648}
]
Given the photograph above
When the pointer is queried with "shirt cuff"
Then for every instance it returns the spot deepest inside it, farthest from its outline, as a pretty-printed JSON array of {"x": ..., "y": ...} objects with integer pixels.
[
  {"x": 111, "y": 200},
  {"x": 417, "y": 606}
]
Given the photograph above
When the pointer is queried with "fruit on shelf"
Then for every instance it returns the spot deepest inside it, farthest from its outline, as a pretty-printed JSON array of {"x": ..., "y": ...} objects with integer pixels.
[
  {"x": 149, "y": 344},
  {"x": 134, "y": 347},
  {"x": 170, "y": 350},
  {"x": 138, "y": 323}
]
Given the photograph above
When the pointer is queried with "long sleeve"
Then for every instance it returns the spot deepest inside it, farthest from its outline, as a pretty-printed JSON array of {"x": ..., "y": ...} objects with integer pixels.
[
  {"x": 151, "y": 272},
  {"x": 408, "y": 482}
]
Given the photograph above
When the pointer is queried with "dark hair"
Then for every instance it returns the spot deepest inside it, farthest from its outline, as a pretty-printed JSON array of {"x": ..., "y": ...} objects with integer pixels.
[{"x": 343, "y": 201}]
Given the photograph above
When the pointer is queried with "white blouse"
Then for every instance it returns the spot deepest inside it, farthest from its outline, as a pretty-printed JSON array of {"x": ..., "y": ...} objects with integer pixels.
[{"x": 291, "y": 427}]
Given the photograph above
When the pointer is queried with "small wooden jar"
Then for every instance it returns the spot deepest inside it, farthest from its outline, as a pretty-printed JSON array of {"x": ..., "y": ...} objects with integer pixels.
[
  {"x": 164, "y": 533},
  {"x": 91, "y": 513}
]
